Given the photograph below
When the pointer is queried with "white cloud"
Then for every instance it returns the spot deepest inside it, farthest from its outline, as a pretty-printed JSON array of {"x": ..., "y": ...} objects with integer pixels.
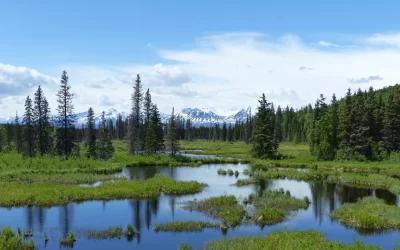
[
  {"x": 227, "y": 70},
  {"x": 20, "y": 80},
  {"x": 391, "y": 39},
  {"x": 327, "y": 44}
]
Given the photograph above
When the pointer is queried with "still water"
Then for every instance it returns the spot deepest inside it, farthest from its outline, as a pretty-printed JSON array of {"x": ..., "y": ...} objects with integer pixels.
[{"x": 144, "y": 214}]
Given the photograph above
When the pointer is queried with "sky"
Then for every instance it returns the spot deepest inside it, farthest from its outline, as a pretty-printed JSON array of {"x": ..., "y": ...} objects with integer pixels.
[{"x": 196, "y": 54}]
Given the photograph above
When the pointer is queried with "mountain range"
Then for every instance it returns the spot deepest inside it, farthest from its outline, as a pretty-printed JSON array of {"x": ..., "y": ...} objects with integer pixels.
[{"x": 199, "y": 117}]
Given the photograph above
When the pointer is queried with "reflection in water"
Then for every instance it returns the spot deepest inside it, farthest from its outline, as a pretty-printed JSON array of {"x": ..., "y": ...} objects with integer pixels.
[
  {"x": 144, "y": 214},
  {"x": 66, "y": 218},
  {"x": 328, "y": 196}
]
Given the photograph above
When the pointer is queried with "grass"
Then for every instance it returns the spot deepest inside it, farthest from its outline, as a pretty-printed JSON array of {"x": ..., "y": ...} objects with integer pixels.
[
  {"x": 13, "y": 241},
  {"x": 184, "y": 226},
  {"x": 68, "y": 240},
  {"x": 369, "y": 213},
  {"x": 293, "y": 240},
  {"x": 372, "y": 180},
  {"x": 273, "y": 206},
  {"x": 46, "y": 194},
  {"x": 297, "y": 156},
  {"x": 224, "y": 208}
]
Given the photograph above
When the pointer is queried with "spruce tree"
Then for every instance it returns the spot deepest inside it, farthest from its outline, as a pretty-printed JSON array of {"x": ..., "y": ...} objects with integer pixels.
[
  {"x": 105, "y": 147},
  {"x": 41, "y": 117},
  {"x": 135, "y": 124},
  {"x": 65, "y": 118},
  {"x": 91, "y": 135},
  {"x": 29, "y": 132},
  {"x": 172, "y": 136},
  {"x": 392, "y": 121},
  {"x": 154, "y": 135},
  {"x": 335, "y": 122},
  {"x": 17, "y": 133},
  {"x": 278, "y": 124},
  {"x": 263, "y": 142},
  {"x": 224, "y": 132},
  {"x": 147, "y": 106}
]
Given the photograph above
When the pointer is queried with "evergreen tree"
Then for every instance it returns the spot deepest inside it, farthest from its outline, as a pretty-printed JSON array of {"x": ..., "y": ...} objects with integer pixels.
[
  {"x": 65, "y": 118},
  {"x": 392, "y": 121},
  {"x": 41, "y": 116},
  {"x": 29, "y": 133},
  {"x": 9, "y": 136},
  {"x": 91, "y": 135},
  {"x": 224, "y": 132},
  {"x": 17, "y": 133},
  {"x": 172, "y": 137},
  {"x": 147, "y": 106},
  {"x": 105, "y": 147},
  {"x": 344, "y": 128},
  {"x": 154, "y": 135},
  {"x": 1, "y": 139},
  {"x": 135, "y": 129},
  {"x": 263, "y": 142},
  {"x": 335, "y": 122},
  {"x": 278, "y": 124}
]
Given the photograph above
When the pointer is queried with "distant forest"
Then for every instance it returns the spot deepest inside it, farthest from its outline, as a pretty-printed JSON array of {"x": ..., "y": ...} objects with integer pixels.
[{"x": 364, "y": 125}]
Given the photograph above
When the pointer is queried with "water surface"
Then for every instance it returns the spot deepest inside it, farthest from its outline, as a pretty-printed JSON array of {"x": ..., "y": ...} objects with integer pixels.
[{"x": 144, "y": 214}]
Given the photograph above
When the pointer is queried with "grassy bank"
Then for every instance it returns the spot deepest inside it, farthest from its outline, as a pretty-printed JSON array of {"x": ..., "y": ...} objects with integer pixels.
[
  {"x": 285, "y": 241},
  {"x": 371, "y": 180},
  {"x": 46, "y": 194},
  {"x": 184, "y": 226},
  {"x": 224, "y": 208},
  {"x": 369, "y": 212},
  {"x": 273, "y": 206}
]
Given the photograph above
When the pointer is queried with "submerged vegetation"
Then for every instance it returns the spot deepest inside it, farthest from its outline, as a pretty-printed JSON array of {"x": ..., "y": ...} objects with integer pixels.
[
  {"x": 45, "y": 194},
  {"x": 284, "y": 240},
  {"x": 14, "y": 241},
  {"x": 184, "y": 226},
  {"x": 369, "y": 213}
]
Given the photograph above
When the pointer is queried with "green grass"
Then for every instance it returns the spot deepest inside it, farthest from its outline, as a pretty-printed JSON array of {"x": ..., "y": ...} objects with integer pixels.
[
  {"x": 371, "y": 180},
  {"x": 224, "y": 208},
  {"x": 217, "y": 148},
  {"x": 68, "y": 240},
  {"x": 46, "y": 194},
  {"x": 111, "y": 233},
  {"x": 273, "y": 206},
  {"x": 294, "y": 240},
  {"x": 13, "y": 241},
  {"x": 370, "y": 213},
  {"x": 184, "y": 226}
]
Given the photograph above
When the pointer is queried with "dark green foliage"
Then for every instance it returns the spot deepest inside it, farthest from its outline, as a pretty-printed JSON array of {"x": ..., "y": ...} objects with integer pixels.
[
  {"x": 17, "y": 134},
  {"x": 91, "y": 135},
  {"x": 172, "y": 136},
  {"x": 392, "y": 121},
  {"x": 154, "y": 133},
  {"x": 135, "y": 132},
  {"x": 29, "y": 132},
  {"x": 104, "y": 144},
  {"x": 264, "y": 144},
  {"x": 41, "y": 117},
  {"x": 65, "y": 118}
]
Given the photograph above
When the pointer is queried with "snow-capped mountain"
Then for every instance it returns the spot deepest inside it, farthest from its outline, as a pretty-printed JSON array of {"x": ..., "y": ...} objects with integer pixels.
[{"x": 199, "y": 117}]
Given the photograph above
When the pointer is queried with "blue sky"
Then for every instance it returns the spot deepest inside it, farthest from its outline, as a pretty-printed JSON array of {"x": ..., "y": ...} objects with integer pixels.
[{"x": 103, "y": 44}]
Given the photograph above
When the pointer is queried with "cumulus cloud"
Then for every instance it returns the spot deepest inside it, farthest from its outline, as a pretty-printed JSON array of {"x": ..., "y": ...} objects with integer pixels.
[
  {"x": 366, "y": 79},
  {"x": 327, "y": 44},
  {"x": 105, "y": 101},
  {"x": 215, "y": 73},
  {"x": 391, "y": 39},
  {"x": 19, "y": 80}
]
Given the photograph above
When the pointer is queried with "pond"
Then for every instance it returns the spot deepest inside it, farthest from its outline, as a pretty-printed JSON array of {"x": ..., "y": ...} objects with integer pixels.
[{"x": 144, "y": 214}]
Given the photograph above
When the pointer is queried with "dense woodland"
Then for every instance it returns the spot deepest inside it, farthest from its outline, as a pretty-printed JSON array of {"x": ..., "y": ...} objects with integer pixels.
[{"x": 364, "y": 125}]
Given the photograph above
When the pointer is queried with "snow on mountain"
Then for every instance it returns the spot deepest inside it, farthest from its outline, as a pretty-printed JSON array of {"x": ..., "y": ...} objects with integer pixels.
[{"x": 199, "y": 117}]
